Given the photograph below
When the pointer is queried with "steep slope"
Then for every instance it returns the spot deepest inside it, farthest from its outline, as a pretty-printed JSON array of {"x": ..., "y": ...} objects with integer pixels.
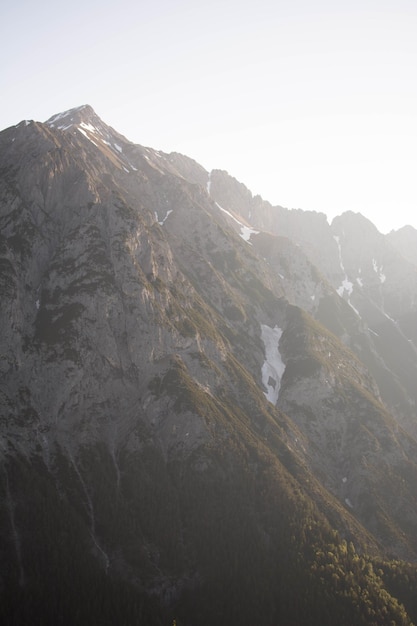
[
  {"x": 175, "y": 436},
  {"x": 373, "y": 274}
]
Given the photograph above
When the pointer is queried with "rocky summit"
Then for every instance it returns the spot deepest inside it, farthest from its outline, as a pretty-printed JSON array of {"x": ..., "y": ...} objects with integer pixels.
[{"x": 207, "y": 403}]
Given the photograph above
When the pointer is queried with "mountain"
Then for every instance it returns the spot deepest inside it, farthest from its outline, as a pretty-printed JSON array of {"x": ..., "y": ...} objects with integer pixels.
[
  {"x": 207, "y": 403},
  {"x": 405, "y": 241}
]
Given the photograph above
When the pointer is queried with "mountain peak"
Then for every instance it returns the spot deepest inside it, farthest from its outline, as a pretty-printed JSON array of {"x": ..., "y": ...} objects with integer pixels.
[
  {"x": 405, "y": 242},
  {"x": 354, "y": 222},
  {"x": 73, "y": 117},
  {"x": 84, "y": 120}
]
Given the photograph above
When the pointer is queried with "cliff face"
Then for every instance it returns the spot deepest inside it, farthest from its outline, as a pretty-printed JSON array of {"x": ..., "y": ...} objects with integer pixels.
[{"x": 176, "y": 357}]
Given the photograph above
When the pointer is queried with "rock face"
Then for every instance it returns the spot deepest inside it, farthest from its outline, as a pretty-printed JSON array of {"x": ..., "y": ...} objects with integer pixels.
[
  {"x": 200, "y": 393},
  {"x": 375, "y": 274},
  {"x": 405, "y": 242}
]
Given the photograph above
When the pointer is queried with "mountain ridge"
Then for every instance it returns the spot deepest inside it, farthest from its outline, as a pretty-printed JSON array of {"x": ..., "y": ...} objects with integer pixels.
[{"x": 146, "y": 304}]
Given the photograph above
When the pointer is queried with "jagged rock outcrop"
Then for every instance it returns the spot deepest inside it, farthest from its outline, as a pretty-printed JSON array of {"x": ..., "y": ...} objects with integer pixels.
[{"x": 405, "y": 241}]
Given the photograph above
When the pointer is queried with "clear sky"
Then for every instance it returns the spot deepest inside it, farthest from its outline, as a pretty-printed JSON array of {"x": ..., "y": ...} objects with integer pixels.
[{"x": 311, "y": 104}]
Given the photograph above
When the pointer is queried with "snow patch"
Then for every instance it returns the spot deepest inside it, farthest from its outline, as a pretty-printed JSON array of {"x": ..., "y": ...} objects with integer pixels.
[
  {"x": 82, "y": 131},
  {"x": 57, "y": 117},
  {"x": 390, "y": 318},
  {"x": 63, "y": 126},
  {"x": 89, "y": 127},
  {"x": 349, "y": 503},
  {"x": 162, "y": 222},
  {"x": 245, "y": 231},
  {"x": 273, "y": 367},
  {"x": 353, "y": 308},
  {"x": 152, "y": 164},
  {"x": 347, "y": 285},
  {"x": 378, "y": 270}
]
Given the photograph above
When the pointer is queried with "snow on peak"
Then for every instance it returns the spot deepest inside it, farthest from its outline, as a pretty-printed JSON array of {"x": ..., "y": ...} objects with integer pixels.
[
  {"x": 89, "y": 127},
  {"x": 85, "y": 121},
  {"x": 72, "y": 117}
]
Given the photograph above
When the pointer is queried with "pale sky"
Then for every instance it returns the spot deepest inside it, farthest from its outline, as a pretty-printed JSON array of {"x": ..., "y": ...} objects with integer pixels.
[{"x": 312, "y": 105}]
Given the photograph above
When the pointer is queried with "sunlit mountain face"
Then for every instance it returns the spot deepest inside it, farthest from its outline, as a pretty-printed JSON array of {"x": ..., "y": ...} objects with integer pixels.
[{"x": 207, "y": 403}]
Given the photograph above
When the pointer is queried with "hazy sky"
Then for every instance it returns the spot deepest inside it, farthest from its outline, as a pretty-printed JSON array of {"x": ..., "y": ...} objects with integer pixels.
[{"x": 312, "y": 105}]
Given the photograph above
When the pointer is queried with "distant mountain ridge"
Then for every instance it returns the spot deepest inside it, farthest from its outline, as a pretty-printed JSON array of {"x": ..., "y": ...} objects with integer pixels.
[
  {"x": 207, "y": 403},
  {"x": 374, "y": 273}
]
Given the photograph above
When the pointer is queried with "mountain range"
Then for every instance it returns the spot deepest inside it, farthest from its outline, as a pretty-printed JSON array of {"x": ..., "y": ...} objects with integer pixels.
[{"x": 207, "y": 403}]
